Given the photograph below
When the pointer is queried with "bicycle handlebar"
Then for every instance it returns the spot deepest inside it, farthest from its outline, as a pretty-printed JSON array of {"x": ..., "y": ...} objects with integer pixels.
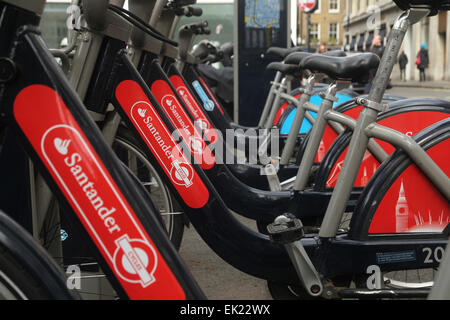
[
  {"x": 194, "y": 11},
  {"x": 188, "y": 11},
  {"x": 198, "y": 27}
]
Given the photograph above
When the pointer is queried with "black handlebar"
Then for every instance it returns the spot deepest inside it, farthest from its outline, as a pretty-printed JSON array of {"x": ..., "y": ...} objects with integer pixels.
[
  {"x": 195, "y": 11},
  {"x": 199, "y": 28},
  {"x": 188, "y": 11}
]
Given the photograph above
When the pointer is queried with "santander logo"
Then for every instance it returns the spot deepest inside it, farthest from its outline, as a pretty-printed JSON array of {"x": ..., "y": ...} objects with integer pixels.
[
  {"x": 201, "y": 121},
  {"x": 142, "y": 112},
  {"x": 161, "y": 144},
  {"x": 134, "y": 259},
  {"x": 61, "y": 145},
  {"x": 182, "y": 174},
  {"x": 182, "y": 122}
]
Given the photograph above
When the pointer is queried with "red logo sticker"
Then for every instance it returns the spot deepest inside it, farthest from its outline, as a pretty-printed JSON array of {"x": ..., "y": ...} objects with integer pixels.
[
  {"x": 195, "y": 110},
  {"x": 180, "y": 120},
  {"x": 93, "y": 195},
  {"x": 163, "y": 146},
  {"x": 410, "y": 123}
]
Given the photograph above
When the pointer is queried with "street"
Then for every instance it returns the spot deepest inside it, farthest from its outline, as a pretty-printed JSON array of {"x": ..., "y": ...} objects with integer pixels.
[
  {"x": 411, "y": 92},
  {"x": 219, "y": 280}
]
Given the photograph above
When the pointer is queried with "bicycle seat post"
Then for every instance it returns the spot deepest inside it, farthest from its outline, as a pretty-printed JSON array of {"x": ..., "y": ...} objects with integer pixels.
[
  {"x": 372, "y": 107},
  {"x": 298, "y": 120},
  {"x": 144, "y": 10},
  {"x": 315, "y": 137},
  {"x": 157, "y": 11},
  {"x": 263, "y": 121},
  {"x": 277, "y": 89}
]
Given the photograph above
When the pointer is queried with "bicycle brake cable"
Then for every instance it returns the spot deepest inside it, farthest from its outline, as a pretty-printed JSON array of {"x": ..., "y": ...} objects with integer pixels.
[{"x": 142, "y": 25}]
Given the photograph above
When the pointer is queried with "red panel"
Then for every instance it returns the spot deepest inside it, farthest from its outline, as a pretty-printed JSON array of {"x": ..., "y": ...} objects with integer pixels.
[
  {"x": 155, "y": 134},
  {"x": 409, "y": 123},
  {"x": 329, "y": 135},
  {"x": 194, "y": 109},
  {"x": 412, "y": 204},
  {"x": 282, "y": 110},
  {"x": 180, "y": 120},
  {"x": 92, "y": 193}
]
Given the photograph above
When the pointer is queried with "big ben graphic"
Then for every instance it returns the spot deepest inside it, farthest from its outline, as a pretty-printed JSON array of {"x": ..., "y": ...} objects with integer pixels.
[{"x": 401, "y": 211}]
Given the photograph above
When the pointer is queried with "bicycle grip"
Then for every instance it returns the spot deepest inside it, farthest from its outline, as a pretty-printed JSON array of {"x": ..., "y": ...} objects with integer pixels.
[
  {"x": 195, "y": 11},
  {"x": 206, "y": 30}
]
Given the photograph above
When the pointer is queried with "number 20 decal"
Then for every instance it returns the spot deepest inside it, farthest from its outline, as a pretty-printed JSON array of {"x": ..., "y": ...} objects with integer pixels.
[{"x": 433, "y": 256}]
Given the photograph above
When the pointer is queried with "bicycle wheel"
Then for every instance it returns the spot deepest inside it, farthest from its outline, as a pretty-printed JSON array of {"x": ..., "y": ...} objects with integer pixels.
[
  {"x": 27, "y": 272},
  {"x": 130, "y": 153},
  {"x": 400, "y": 211},
  {"x": 410, "y": 279}
]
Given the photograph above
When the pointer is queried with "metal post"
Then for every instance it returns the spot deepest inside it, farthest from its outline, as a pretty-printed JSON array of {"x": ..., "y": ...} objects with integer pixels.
[
  {"x": 360, "y": 140},
  {"x": 314, "y": 139},
  {"x": 269, "y": 101},
  {"x": 276, "y": 104},
  {"x": 298, "y": 120}
]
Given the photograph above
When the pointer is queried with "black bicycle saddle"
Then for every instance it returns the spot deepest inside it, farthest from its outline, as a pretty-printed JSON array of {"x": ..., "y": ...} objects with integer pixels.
[
  {"x": 355, "y": 67},
  {"x": 282, "y": 52},
  {"x": 286, "y": 69},
  {"x": 433, "y": 5},
  {"x": 297, "y": 57}
]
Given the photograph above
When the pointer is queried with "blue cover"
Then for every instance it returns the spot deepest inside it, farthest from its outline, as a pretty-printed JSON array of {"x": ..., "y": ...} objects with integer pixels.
[{"x": 306, "y": 126}]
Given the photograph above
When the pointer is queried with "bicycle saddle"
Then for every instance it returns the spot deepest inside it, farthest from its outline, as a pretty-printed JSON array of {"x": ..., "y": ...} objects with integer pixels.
[
  {"x": 355, "y": 67},
  {"x": 433, "y": 5},
  {"x": 297, "y": 57},
  {"x": 284, "y": 68},
  {"x": 281, "y": 52}
]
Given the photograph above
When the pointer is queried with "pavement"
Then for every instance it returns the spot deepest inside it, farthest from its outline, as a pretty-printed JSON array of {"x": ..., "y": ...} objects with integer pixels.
[
  {"x": 442, "y": 85},
  {"x": 218, "y": 279}
]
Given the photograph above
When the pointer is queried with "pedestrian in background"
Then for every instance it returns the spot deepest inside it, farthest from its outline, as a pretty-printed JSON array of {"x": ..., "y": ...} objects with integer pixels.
[
  {"x": 377, "y": 48},
  {"x": 422, "y": 62},
  {"x": 403, "y": 62},
  {"x": 322, "y": 48}
]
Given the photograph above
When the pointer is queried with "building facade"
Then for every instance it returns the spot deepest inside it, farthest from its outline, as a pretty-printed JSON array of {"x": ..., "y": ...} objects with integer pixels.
[
  {"x": 364, "y": 19},
  {"x": 326, "y": 25}
]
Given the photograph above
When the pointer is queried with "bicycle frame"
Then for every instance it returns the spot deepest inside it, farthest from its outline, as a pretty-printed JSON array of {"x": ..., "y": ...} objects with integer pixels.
[
  {"x": 250, "y": 252},
  {"x": 150, "y": 70},
  {"x": 124, "y": 74},
  {"x": 366, "y": 128},
  {"x": 67, "y": 147}
]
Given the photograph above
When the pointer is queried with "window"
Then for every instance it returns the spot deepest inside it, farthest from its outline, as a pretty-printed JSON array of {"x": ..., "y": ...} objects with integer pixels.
[
  {"x": 333, "y": 33},
  {"x": 315, "y": 33},
  {"x": 333, "y": 6}
]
